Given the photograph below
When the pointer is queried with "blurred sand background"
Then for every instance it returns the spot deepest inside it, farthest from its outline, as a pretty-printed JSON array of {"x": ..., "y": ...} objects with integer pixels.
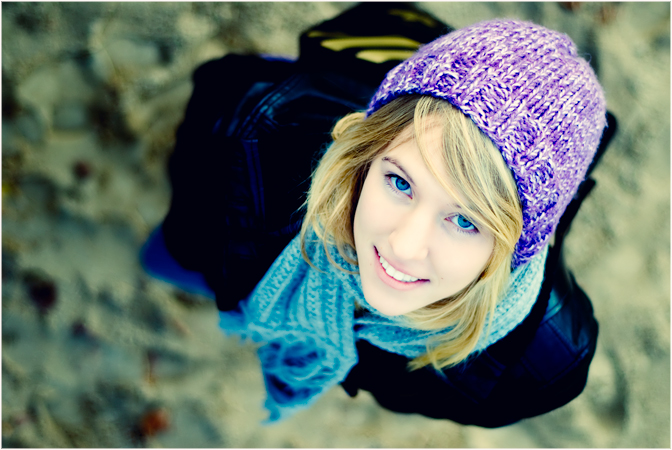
[{"x": 97, "y": 354}]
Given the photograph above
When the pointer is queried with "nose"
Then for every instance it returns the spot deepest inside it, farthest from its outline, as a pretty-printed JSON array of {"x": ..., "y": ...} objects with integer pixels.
[{"x": 410, "y": 238}]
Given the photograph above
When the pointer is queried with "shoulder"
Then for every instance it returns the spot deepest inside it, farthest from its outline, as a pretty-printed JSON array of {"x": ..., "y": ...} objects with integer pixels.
[
  {"x": 553, "y": 367},
  {"x": 567, "y": 335}
]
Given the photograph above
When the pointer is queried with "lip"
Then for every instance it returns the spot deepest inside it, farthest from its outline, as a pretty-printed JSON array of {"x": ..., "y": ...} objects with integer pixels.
[{"x": 396, "y": 284}]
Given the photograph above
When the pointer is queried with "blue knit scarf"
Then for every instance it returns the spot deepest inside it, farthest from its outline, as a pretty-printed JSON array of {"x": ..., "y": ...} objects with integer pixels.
[{"x": 305, "y": 319}]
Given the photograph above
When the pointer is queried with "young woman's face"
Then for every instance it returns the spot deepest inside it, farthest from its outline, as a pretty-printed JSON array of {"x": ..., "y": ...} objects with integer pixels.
[{"x": 414, "y": 246}]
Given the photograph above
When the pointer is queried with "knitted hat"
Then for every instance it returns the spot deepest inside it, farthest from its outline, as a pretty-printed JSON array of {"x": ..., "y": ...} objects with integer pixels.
[{"x": 527, "y": 89}]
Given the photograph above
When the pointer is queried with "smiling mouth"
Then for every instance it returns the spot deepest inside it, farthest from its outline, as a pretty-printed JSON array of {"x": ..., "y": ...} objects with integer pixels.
[{"x": 395, "y": 274}]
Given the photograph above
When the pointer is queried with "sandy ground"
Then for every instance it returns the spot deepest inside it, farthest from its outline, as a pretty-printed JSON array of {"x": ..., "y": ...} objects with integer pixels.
[{"x": 97, "y": 354}]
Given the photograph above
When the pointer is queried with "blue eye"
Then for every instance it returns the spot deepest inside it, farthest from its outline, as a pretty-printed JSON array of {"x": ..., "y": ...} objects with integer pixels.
[
  {"x": 401, "y": 184},
  {"x": 463, "y": 223}
]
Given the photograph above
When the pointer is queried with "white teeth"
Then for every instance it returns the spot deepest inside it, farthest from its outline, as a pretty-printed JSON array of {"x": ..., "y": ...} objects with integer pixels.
[{"x": 394, "y": 273}]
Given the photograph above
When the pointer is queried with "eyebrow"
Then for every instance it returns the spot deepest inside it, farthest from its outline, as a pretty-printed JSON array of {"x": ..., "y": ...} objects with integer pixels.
[{"x": 396, "y": 163}]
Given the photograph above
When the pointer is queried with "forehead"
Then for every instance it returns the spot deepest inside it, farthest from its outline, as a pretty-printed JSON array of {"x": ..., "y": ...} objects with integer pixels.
[
  {"x": 426, "y": 141},
  {"x": 425, "y": 136},
  {"x": 420, "y": 130}
]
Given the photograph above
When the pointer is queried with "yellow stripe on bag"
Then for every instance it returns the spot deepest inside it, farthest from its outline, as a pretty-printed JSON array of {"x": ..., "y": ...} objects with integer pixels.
[
  {"x": 380, "y": 56},
  {"x": 412, "y": 16},
  {"x": 339, "y": 44},
  {"x": 318, "y": 33}
]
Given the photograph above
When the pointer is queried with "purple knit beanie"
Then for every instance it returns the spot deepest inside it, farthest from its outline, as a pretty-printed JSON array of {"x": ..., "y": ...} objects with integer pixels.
[{"x": 528, "y": 90}]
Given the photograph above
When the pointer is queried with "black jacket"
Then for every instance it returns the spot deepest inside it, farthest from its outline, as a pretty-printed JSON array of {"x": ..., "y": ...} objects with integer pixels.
[{"x": 254, "y": 130}]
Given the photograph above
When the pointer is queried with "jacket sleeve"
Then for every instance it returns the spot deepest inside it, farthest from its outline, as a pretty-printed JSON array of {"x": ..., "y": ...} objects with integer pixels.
[
  {"x": 493, "y": 389},
  {"x": 202, "y": 163}
]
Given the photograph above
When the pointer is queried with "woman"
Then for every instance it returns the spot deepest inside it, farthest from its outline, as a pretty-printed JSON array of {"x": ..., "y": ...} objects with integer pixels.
[{"x": 419, "y": 270}]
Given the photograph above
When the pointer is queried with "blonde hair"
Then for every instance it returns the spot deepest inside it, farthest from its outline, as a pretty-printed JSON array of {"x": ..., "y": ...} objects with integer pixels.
[{"x": 485, "y": 190}]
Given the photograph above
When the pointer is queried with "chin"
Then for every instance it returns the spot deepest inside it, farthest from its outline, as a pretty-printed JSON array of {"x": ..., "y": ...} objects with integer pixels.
[
  {"x": 386, "y": 307},
  {"x": 393, "y": 312}
]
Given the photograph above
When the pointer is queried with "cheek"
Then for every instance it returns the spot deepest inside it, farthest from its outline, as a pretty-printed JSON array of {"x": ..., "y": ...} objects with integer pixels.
[
  {"x": 465, "y": 262},
  {"x": 360, "y": 220},
  {"x": 369, "y": 207}
]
